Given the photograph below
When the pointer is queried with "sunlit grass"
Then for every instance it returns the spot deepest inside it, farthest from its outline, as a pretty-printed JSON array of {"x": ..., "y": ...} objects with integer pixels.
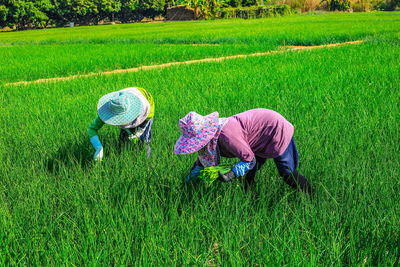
[{"x": 59, "y": 208}]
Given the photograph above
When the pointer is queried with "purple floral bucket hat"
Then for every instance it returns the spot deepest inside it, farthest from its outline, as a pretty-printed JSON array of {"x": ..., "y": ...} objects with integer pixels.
[{"x": 197, "y": 131}]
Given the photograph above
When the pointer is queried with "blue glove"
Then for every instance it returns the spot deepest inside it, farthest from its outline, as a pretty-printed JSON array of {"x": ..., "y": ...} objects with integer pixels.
[
  {"x": 98, "y": 154},
  {"x": 194, "y": 174},
  {"x": 242, "y": 167}
]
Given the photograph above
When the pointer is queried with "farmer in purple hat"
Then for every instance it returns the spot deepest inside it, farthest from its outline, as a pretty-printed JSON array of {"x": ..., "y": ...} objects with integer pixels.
[
  {"x": 132, "y": 110},
  {"x": 252, "y": 136}
]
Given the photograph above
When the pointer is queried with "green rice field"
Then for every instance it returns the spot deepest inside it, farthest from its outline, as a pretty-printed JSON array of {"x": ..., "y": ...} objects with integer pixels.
[{"x": 59, "y": 208}]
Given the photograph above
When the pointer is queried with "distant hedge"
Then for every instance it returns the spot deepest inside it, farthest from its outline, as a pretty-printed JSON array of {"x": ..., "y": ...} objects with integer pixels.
[
  {"x": 255, "y": 12},
  {"x": 27, "y": 14}
]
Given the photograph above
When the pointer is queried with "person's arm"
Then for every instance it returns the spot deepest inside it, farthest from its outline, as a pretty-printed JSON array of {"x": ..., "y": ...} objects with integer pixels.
[
  {"x": 237, "y": 146},
  {"x": 195, "y": 171},
  {"x": 95, "y": 126},
  {"x": 94, "y": 138},
  {"x": 242, "y": 167}
]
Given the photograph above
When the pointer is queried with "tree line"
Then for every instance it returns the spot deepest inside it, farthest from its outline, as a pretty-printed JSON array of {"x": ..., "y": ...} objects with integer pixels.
[
  {"x": 24, "y": 14},
  {"x": 27, "y": 14}
]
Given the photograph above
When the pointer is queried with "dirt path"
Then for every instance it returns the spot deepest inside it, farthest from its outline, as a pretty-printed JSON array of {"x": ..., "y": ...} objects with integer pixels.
[{"x": 284, "y": 49}]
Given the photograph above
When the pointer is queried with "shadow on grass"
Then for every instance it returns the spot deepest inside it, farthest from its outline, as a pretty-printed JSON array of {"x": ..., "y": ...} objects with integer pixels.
[
  {"x": 264, "y": 195},
  {"x": 75, "y": 155},
  {"x": 70, "y": 156},
  {"x": 258, "y": 199}
]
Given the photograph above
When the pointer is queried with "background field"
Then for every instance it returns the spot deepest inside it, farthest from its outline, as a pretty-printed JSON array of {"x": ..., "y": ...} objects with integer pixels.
[
  {"x": 59, "y": 208},
  {"x": 32, "y": 55}
]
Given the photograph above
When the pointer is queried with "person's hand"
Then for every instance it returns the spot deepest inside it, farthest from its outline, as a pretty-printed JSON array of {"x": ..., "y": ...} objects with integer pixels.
[
  {"x": 242, "y": 167},
  {"x": 194, "y": 173},
  {"x": 98, "y": 155},
  {"x": 133, "y": 138},
  {"x": 226, "y": 177}
]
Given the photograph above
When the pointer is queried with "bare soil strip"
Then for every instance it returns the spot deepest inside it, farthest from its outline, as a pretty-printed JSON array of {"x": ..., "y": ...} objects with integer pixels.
[
  {"x": 300, "y": 47},
  {"x": 165, "y": 65}
]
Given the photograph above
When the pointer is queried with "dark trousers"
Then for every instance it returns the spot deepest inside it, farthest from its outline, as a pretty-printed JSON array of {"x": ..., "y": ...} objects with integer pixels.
[
  {"x": 286, "y": 163},
  {"x": 294, "y": 179}
]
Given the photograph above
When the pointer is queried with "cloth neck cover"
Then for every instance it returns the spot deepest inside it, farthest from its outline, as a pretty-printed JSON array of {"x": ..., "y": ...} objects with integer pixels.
[{"x": 209, "y": 155}]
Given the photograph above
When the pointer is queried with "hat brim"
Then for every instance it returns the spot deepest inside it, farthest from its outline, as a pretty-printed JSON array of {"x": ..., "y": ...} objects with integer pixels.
[
  {"x": 108, "y": 117},
  {"x": 186, "y": 145}
]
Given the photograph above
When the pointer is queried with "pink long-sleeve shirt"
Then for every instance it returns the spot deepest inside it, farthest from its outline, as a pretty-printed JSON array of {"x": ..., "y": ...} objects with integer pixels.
[{"x": 257, "y": 132}]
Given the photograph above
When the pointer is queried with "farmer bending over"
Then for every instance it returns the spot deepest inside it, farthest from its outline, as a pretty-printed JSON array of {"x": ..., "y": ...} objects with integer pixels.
[
  {"x": 252, "y": 136},
  {"x": 132, "y": 110}
]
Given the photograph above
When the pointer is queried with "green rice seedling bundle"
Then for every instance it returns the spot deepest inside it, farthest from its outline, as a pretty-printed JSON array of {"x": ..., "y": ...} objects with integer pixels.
[{"x": 209, "y": 174}]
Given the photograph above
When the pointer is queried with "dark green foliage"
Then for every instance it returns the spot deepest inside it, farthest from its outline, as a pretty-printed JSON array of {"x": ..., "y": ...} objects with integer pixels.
[
  {"x": 241, "y": 3},
  {"x": 25, "y": 14},
  {"x": 108, "y": 9},
  {"x": 39, "y": 13},
  {"x": 136, "y": 10},
  {"x": 338, "y": 5},
  {"x": 235, "y": 3},
  {"x": 79, "y": 11},
  {"x": 3, "y": 15},
  {"x": 387, "y": 5},
  {"x": 205, "y": 8},
  {"x": 84, "y": 12},
  {"x": 127, "y": 10},
  {"x": 250, "y": 2},
  {"x": 255, "y": 12}
]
